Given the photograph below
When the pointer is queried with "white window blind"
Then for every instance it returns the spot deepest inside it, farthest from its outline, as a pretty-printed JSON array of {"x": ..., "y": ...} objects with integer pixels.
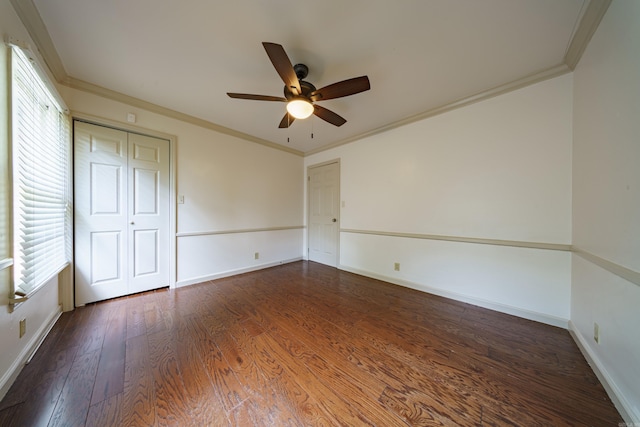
[{"x": 41, "y": 178}]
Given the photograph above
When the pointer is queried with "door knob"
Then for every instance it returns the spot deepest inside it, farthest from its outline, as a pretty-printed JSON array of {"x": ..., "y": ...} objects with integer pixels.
[
  {"x": 132, "y": 223},
  {"x": 334, "y": 220}
]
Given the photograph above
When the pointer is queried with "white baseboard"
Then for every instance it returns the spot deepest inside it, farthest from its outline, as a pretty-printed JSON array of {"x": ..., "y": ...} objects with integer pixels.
[
  {"x": 618, "y": 399},
  {"x": 229, "y": 273},
  {"x": 27, "y": 352},
  {"x": 621, "y": 403},
  {"x": 502, "y": 308}
]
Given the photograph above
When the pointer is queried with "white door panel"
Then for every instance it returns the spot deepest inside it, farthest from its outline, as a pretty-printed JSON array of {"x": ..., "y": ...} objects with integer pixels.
[
  {"x": 121, "y": 213},
  {"x": 324, "y": 199},
  {"x": 106, "y": 187},
  {"x": 146, "y": 189},
  {"x": 106, "y": 253},
  {"x": 100, "y": 218},
  {"x": 146, "y": 252},
  {"x": 149, "y": 206}
]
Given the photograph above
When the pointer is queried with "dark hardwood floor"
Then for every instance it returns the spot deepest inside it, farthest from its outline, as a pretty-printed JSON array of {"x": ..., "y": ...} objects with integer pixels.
[{"x": 303, "y": 344}]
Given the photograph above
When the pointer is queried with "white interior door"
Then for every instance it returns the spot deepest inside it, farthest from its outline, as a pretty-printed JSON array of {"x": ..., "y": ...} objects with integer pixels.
[
  {"x": 324, "y": 210},
  {"x": 148, "y": 213},
  {"x": 121, "y": 188}
]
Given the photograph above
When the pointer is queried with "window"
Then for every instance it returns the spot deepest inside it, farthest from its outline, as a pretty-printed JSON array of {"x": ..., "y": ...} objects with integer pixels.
[{"x": 40, "y": 143}]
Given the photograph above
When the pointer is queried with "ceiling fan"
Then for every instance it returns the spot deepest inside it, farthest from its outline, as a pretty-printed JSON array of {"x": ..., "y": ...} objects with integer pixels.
[{"x": 301, "y": 95}]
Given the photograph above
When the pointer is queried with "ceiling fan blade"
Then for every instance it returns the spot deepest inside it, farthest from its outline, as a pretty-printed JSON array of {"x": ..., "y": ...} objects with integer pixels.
[
  {"x": 340, "y": 89},
  {"x": 328, "y": 115},
  {"x": 256, "y": 97},
  {"x": 283, "y": 66},
  {"x": 286, "y": 121}
]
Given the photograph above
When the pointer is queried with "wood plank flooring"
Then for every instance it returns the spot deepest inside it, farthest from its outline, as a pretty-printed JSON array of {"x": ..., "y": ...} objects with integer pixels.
[{"x": 303, "y": 344}]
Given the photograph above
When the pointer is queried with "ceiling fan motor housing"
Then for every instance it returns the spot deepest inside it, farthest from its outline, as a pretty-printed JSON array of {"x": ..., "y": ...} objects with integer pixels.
[{"x": 307, "y": 88}]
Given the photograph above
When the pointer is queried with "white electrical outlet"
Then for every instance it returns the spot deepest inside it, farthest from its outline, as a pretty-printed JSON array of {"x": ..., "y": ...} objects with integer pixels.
[
  {"x": 256, "y": 255},
  {"x": 396, "y": 266},
  {"x": 596, "y": 332}
]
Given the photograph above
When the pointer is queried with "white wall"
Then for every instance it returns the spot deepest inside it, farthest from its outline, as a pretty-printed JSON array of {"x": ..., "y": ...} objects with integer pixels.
[
  {"x": 497, "y": 170},
  {"x": 43, "y": 308},
  {"x": 606, "y": 200},
  {"x": 240, "y": 197}
]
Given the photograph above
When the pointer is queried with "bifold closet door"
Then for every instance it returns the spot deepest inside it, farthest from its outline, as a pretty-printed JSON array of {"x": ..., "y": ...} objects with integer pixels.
[{"x": 121, "y": 216}]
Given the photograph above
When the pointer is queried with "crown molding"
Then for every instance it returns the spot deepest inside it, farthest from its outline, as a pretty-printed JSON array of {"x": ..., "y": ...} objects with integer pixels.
[
  {"x": 586, "y": 28},
  {"x": 547, "y": 74},
  {"x": 30, "y": 17},
  {"x": 167, "y": 112}
]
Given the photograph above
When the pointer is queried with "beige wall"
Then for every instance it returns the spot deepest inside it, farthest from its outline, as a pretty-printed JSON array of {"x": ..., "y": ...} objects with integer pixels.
[
  {"x": 495, "y": 170},
  {"x": 606, "y": 201},
  {"x": 229, "y": 185}
]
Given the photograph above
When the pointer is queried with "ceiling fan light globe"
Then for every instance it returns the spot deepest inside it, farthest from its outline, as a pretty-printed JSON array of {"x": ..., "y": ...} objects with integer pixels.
[{"x": 300, "y": 108}]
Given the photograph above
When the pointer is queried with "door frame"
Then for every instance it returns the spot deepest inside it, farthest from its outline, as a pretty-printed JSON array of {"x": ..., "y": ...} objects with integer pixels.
[
  {"x": 68, "y": 288},
  {"x": 308, "y": 187}
]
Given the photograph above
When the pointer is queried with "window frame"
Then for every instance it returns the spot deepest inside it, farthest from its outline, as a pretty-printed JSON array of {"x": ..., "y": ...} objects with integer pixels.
[{"x": 32, "y": 243}]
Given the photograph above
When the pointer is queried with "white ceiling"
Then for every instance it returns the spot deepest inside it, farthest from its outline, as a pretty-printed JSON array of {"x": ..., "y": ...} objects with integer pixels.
[{"x": 420, "y": 55}]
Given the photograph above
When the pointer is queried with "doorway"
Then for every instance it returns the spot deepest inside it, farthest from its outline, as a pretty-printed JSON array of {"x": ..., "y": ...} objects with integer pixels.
[
  {"x": 121, "y": 212},
  {"x": 324, "y": 213}
]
